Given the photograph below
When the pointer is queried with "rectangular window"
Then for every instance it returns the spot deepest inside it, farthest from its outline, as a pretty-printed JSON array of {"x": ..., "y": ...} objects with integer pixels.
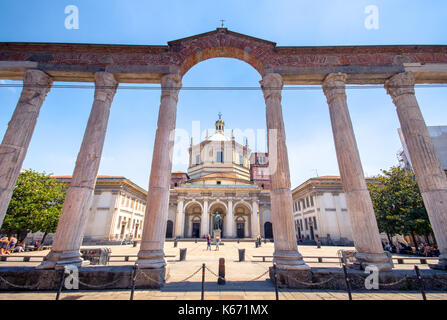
[
  {"x": 219, "y": 156},
  {"x": 315, "y": 223},
  {"x": 241, "y": 160},
  {"x": 312, "y": 201},
  {"x": 299, "y": 206},
  {"x": 197, "y": 158},
  {"x": 307, "y": 202},
  {"x": 307, "y": 226}
]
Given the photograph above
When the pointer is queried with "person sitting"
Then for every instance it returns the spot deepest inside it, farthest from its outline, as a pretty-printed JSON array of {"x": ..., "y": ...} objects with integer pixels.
[
  {"x": 388, "y": 247},
  {"x": 12, "y": 244},
  {"x": 20, "y": 246},
  {"x": 4, "y": 242}
]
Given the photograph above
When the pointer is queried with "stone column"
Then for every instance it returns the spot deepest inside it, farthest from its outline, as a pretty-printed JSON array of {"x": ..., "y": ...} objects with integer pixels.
[
  {"x": 286, "y": 254},
  {"x": 361, "y": 213},
  {"x": 254, "y": 220},
  {"x": 75, "y": 211},
  {"x": 180, "y": 219},
  {"x": 424, "y": 157},
  {"x": 151, "y": 254},
  {"x": 205, "y": 219},
  {"x": 36, "y": 85},
  {"x": 229, "y": 220}
]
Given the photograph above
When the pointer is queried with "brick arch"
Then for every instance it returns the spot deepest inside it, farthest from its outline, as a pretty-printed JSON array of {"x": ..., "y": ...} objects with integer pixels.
[{"x": 198, "y": 55}]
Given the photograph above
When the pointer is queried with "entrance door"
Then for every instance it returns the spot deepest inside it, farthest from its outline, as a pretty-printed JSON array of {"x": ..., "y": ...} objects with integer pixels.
[
  {"x": 312, "y": 236},
  {"x": 196, "y": 229},
  {"x": 268, "y": 231},
  {"x": 169, "y": 229},
  {"x": 240, "y": 229}
]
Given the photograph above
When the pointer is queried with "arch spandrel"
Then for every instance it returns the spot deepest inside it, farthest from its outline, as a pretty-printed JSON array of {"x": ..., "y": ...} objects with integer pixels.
[{"x": 221, "y": 43}]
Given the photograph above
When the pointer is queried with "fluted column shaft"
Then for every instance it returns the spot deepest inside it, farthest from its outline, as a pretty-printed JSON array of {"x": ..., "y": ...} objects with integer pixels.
[
  {"x": 36, "y": 85},
  {"x": 364, "y": 227},
  {"x": 286, "y": 254},
  {"x": 229, "y": 220},
  {"x": 255, "y": 220},
  {"x": 180, "y": 219},
  {"x": 205, "y": 220},
  {"x": 151, "y": 254},
  {"x": 75, "y": 211},
  {"x": 424, "y": 158}
]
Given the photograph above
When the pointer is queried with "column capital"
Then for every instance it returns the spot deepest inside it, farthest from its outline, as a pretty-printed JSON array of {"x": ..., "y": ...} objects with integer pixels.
[
  {"x": 271, "y": 85},
  {"x": 105, "y": 86},
  {"x": 334, "y": 86},
  {"x": 35, "y": 81},
  {"x": 400, "y": 84},
  {"x": 171, "y": 85}
]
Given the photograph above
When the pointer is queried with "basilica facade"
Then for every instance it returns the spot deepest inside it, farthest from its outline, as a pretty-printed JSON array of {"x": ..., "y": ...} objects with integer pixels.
[{"x": 223, "y": 177}]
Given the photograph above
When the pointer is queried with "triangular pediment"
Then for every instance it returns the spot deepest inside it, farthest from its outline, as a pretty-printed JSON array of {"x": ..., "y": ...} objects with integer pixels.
[{"x": 221, "y": 32}]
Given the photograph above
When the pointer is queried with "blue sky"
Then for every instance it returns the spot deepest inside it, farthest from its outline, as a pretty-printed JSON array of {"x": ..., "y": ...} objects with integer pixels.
[{"x": 129, "y": 140}]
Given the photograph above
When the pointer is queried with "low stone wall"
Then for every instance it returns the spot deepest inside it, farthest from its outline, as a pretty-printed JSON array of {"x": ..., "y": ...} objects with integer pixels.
[
  {"x": 334, "y": 279},
  {"x": 90, "y": 278}
]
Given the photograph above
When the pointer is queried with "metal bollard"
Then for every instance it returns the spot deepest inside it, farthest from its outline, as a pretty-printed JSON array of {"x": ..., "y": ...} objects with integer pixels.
[
  {"x": 175, "y": 243},
  {"x": 257, "y": 244},
  {"x": 134, "y": 280},
  {"x": 221, "y": 279},
  {"x": 203, "y": 282},
  {"x": 241, "y": 255},
  {"x": 348, "y": 284},
  {"x": 61, "y": 284},
  {"x": 275, "y": 276},
  {"x": 182, "y": 254},
  {"x": 421, "y": 282}
]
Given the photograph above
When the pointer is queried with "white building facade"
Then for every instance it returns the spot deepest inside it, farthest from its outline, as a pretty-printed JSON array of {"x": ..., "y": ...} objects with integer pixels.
[{"x": 320, "y": 212}]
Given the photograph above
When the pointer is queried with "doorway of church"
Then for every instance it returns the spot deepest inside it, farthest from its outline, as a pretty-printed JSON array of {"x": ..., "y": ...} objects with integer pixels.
[
  {"x": 240, "y": 226},
  {"x": 196, "y": 230},
  {"x": 268, "y": 230},
  {"x": 169, "y": 229}
]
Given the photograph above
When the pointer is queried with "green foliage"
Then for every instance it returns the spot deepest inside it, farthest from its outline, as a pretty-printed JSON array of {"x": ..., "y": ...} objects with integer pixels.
[
  {"x": 398, "y": 203},
  {"x": 35, "y": 205}
]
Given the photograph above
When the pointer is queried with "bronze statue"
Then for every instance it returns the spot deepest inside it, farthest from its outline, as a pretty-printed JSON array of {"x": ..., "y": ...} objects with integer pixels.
[{"x": 217, "y": 220}]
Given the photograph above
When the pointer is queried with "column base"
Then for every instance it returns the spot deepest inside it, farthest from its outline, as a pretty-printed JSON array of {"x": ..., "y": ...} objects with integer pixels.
[
  {"x": 383, "y": 261},
  {"x": 58, "y": 260},
  {"x": 442, "y": 263},
  {"x": 289, "y": 260},
  {"x": 150, "y": 259}
]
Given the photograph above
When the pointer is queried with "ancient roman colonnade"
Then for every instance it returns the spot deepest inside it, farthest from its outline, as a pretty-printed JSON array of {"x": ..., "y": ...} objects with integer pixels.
[{"x": 398, "y": 67}]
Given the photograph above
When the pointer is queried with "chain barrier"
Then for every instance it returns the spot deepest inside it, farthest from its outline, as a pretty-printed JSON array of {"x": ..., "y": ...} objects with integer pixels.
[
  {"x": 258, "y": 277},
  {"x": 101, "y": 286},
  {"x": 192, "y": 275},
  {"x": 393, "y": 283},
  {"x": 211, "y": 272},
  {"x": 20, "y": 286},
  {"x": 311, "y": 284}
]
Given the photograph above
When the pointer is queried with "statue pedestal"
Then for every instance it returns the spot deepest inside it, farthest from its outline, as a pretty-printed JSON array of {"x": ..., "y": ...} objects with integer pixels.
[{"x": 217, "y": 233}]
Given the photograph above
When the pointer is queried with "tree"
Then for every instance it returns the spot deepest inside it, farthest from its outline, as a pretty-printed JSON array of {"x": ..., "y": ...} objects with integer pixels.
[
  {"x": 398, "y": 204},
  {"x": 35, "y": 205}
]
